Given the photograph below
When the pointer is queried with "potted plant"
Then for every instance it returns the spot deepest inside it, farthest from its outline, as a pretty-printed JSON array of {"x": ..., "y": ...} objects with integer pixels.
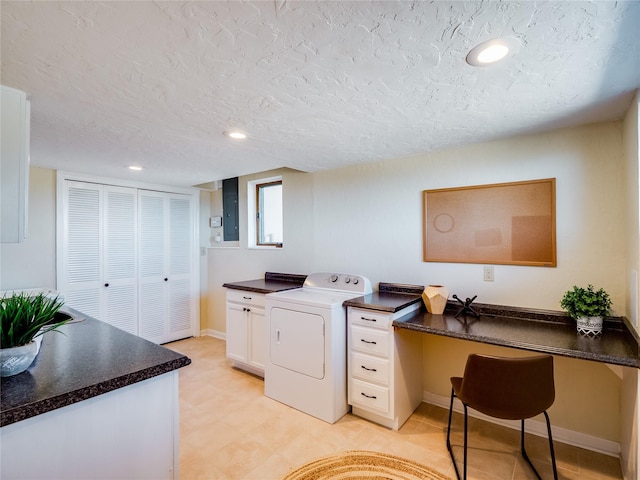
[
  {"x": 587, "y": 306},
  {"x": 23, "y": 318}
]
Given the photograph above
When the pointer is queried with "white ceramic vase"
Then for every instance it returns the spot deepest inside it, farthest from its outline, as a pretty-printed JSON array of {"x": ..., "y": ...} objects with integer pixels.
[
  {"x": 16, "y": 360},
  {"x": 590, "y": 326},
  {"x": 435, "y": 298}
]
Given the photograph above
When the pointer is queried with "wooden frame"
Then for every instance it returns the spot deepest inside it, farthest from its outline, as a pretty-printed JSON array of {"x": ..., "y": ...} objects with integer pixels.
[{"x": 503, "y": 223}]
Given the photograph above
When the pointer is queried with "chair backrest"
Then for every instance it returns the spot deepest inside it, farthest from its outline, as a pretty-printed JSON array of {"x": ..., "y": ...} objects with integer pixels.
[{"x": 509, "y": 388}]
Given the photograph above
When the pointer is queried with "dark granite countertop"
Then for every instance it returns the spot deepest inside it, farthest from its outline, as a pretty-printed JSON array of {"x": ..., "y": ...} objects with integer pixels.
[
  {"x": 390, "y": 297},
  {"x": 272, "y": 282},
  {"x": 90, "y": 359},
  {"x": 535, "y": 330}
]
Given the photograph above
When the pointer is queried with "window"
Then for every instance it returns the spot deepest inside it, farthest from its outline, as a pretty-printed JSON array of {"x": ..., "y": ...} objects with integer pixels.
[{"x": 265, "y": 216}]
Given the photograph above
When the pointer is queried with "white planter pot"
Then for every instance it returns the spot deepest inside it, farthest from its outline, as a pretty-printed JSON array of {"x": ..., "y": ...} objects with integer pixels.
[
  {"x": 16, "y": 360},
  {"x": 590, "y": 326}
]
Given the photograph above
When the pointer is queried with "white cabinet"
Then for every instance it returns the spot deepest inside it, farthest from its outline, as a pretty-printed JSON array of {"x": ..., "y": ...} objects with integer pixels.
[
  {"x": 246, "y": 330},
  {"x": 384, "y": 367},
  {"x": 126, "y": 257},
  {"x": 165, "y": 258},
  {"x": 97, "y": 268},
  {"x": 14, "y": 164}
]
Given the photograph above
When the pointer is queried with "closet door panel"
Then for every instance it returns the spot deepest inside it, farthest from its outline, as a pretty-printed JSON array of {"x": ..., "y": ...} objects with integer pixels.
[
  {"x": 82, "y": 254},
  {"x": 120, "y": 277},
  {"x": 153, "y": 276}
]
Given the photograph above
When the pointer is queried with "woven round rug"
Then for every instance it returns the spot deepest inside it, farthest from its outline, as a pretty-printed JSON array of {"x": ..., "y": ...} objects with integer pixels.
[{"x": 358, "y": 464}]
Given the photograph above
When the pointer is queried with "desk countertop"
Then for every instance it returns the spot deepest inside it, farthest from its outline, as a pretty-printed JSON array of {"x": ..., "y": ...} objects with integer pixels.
[
  {"x": 88, "y": 358},
  {"x": 541, "y": 331}
]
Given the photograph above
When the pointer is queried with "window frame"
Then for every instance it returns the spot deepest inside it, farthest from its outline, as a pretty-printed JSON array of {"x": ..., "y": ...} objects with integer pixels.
[{"x": 253, "y": 204}]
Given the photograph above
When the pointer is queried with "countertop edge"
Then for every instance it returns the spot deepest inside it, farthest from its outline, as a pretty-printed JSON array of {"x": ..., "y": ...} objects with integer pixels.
[{"x": 23, "y": 412}]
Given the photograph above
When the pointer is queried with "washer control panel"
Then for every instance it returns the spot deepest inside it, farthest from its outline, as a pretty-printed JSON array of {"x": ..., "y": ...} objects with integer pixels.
[{"x": 345, "y": 282}]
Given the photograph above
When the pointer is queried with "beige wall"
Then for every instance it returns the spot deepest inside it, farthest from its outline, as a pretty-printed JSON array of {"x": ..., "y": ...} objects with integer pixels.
[{"x": 630, "y": 383}]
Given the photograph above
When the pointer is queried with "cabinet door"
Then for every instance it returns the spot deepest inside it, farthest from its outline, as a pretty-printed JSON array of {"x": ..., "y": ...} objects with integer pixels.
[
  {"x": 258, "y": 339},
  {"x": 14, "y": 165},
  {"x": 237, "y": 332}
]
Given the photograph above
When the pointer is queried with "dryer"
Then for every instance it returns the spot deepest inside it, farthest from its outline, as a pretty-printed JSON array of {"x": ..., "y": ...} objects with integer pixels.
[{"x": 306, "y": 366}]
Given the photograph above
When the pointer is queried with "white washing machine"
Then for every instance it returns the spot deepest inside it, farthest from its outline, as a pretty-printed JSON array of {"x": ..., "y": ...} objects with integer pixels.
[{"x": 306, "y": 366}]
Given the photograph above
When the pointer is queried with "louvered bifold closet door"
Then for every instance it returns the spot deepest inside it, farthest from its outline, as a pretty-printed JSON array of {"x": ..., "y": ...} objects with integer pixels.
[
  {"x": 81, "y": 279},
  {"x": 153, "y": 276},
  {"x": 180, "y": 286},
  {"x": 120, "y": 272}
]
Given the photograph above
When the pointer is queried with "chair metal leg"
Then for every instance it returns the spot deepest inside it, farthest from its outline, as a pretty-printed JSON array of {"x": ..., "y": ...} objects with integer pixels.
[
  {"x": 553, "y": 454},
  {"x": 524, "y": 451},
  {"x": 455, "y": 466}
]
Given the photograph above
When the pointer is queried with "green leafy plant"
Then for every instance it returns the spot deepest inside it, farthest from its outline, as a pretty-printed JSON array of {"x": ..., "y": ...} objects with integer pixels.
[
  {"x": 586, "y": 302},
  {"x": 24, "y": 317}
]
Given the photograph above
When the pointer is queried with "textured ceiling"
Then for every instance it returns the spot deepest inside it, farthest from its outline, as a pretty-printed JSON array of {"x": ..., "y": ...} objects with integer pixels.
[{"x": 315, "y": 84}]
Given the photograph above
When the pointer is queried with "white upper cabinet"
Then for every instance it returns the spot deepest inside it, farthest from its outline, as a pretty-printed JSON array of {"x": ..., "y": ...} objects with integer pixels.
[{"x": 14, "y": 164}]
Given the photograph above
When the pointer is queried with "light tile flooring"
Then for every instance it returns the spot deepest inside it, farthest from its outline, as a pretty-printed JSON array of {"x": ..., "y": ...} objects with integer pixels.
[{"x": 230, "y": 430}]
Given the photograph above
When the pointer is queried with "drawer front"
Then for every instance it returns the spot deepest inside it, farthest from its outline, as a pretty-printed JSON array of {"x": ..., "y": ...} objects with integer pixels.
[
  {"x": 370, "y": 340},
  {"x": 368, "y": 318},
  {"x": 369, "y": 368},
  {"x": 245, "y": 298},
  {"x": 372, "y": 397}
]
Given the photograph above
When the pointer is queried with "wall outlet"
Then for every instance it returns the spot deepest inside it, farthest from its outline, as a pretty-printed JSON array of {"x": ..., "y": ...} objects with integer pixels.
[{"x": 488, "y": 273}]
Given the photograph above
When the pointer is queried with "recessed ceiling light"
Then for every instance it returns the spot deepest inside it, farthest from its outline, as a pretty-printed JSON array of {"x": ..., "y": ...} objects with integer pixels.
[
  {"x": 135, "y": 167},
  {"x": 236, "y": 135},
  {"x": 492, "y": 51}
]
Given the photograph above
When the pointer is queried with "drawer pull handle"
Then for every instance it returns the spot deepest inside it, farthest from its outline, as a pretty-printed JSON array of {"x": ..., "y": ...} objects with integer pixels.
[
  {"x": 247, "y": 298},
  {"x": 368, "y": 396},
  {"x": 368, "y": 341},
  {"x": 368, "y": 319},
  {"x": 369, "y": 369}
]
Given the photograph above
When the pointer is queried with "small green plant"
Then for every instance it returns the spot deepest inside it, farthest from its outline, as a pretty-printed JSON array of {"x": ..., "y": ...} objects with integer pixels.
[
  {"x": 24, "y": 317},
  {"x": 586, "y": 302}
]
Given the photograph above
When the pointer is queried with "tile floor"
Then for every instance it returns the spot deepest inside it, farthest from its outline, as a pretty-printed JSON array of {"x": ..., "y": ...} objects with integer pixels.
[{"x": 230, "y": 430}]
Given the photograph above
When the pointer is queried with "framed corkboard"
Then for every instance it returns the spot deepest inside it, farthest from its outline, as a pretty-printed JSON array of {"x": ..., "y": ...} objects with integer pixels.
[{"x": 503, "y": 223}]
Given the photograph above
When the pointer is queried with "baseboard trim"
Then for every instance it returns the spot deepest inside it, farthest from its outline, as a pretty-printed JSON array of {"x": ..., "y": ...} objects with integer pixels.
[
  {"x": 213, "y": 333},
  {"x": 534, "y": 427}
]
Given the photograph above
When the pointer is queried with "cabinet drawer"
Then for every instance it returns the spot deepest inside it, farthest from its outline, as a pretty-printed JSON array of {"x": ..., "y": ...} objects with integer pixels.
[
  {"x": 370, "y": 340},
  {"x": 369, "y": 318},
  {"x": 367, "y": 367},
  {"x": 245, "y": 298},
  {"x": 369, "y": 396}
]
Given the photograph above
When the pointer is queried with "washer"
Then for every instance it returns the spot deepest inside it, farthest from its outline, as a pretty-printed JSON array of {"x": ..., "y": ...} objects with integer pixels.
[{"x": 306, "y": 366}]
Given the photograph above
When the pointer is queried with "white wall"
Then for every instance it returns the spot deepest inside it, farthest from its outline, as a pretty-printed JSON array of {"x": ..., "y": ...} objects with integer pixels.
[
  {"x": 32, "y": 263},
  {"x": 370, "y": 217}
]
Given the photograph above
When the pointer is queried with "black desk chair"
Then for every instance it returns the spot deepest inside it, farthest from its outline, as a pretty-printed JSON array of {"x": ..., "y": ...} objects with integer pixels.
[{"x": 508, "y": 388}]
